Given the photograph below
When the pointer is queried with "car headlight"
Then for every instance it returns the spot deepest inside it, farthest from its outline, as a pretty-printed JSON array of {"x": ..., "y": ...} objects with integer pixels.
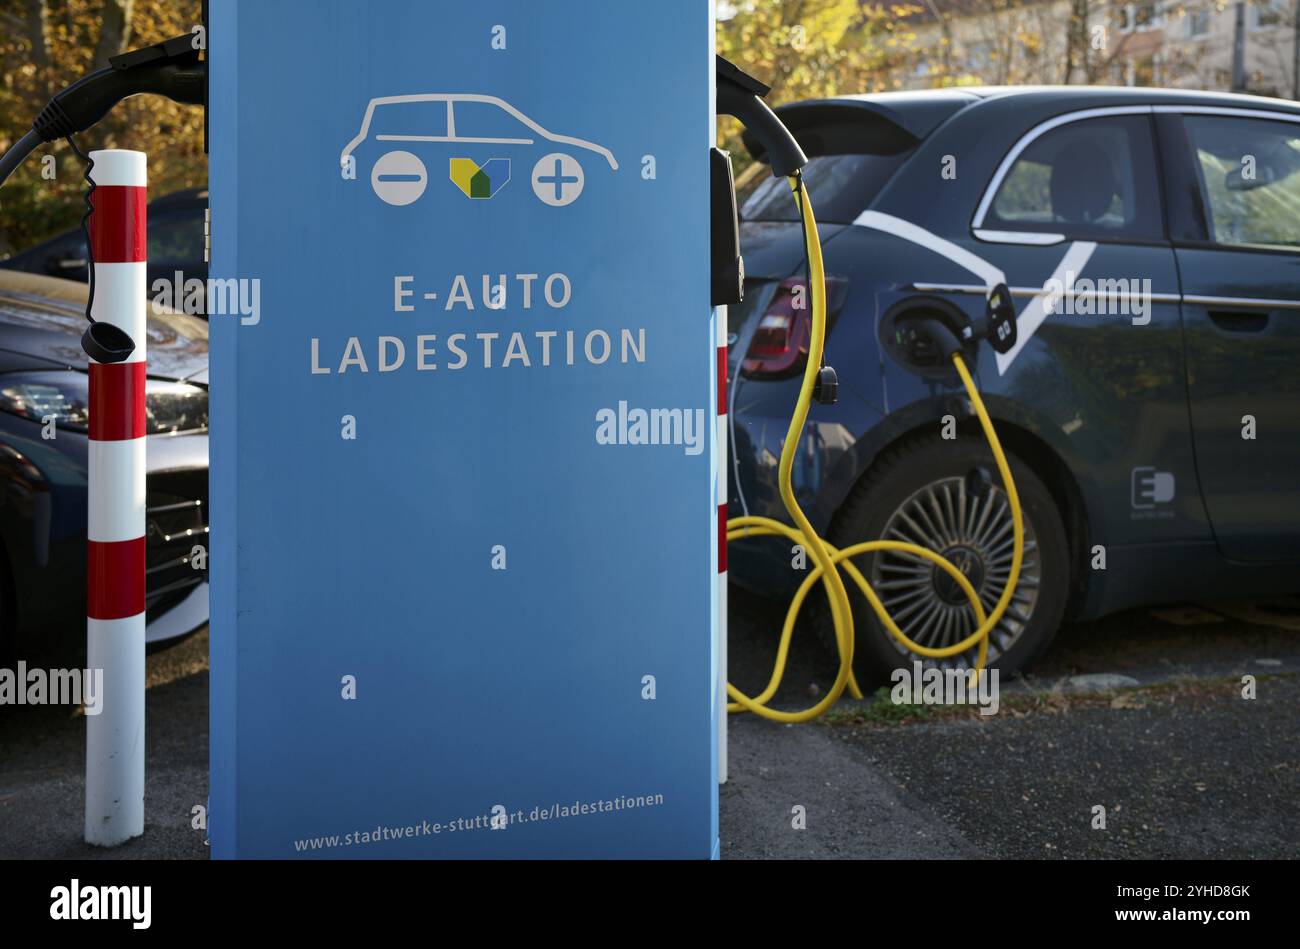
[
  {"x": 64, "y": 394},
  {"x": 174, "y": 407}
]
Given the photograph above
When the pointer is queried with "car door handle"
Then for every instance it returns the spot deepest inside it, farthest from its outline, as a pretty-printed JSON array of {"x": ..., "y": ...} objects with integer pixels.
[{"x": 1240, "y": 321}]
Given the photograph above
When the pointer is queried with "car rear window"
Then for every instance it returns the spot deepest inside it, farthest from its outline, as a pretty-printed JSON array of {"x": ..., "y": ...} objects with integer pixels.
[{"x": 840, "y": 186}]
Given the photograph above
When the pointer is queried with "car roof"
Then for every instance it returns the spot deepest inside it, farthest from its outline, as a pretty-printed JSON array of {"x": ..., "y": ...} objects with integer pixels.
[
  {"x": 891, "y": 120},
  {"x": 957, "y": 97},
  {"x": 1136, "y": 94}
]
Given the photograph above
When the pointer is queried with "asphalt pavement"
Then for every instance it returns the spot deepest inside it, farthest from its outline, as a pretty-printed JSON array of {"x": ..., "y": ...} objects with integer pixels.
[
  {"x": 1141, "y": 714},
  {"x": 43, "y": 760}
]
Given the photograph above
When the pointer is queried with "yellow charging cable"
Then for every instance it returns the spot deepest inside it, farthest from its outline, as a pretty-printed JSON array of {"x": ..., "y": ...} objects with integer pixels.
[{"x": 828, "y": 560}]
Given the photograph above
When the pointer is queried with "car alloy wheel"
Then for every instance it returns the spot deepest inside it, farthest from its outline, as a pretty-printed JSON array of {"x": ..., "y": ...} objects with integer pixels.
[{"x": 976, "y": 535}]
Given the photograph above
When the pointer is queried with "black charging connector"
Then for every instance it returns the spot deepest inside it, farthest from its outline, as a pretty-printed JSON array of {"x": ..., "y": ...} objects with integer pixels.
[
  {"x": 741, "y": 95},
  {"x": 922, "y": 333},
  {"x": 171, "y": 68},
  {"x": 728, "y": 267},
  {"x": 928, "y": 340}
]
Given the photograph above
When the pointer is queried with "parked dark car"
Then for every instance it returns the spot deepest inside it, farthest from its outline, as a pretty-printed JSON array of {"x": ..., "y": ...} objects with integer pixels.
[
  {"x": 43, "y": 372},
  {"x": 175, "y": 243},
  {"x": 1153, "y": 427}
]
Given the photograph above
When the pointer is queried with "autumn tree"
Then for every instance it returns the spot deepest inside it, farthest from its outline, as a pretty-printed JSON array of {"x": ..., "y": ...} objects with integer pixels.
[
  {"x": 806, "y": 49},
  {"x": 47, "y": 44}
]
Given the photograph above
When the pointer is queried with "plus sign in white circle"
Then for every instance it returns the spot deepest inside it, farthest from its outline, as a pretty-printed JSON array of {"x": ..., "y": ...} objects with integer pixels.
[
  {"x": 399, "y": 178},
  {"x": 557, "y": 179}
]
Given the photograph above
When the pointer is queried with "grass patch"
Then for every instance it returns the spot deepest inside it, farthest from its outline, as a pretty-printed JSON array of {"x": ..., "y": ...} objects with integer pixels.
[{"x": 879, "y": 709}]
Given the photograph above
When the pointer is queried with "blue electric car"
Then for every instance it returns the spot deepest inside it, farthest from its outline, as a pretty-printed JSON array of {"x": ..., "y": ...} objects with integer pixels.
[{"x": 1151, "y": 403}]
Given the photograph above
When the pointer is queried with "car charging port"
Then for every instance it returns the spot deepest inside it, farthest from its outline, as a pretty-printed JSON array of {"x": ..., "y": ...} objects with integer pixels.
[
  {"x": 927, "y": 341},
  {"x": 922, "y": 333}
]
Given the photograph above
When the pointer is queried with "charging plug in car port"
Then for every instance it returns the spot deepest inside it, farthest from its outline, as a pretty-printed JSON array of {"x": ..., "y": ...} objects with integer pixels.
[
  {"x": 922, "y": 333},
  {"x": 926, "y": 340}
]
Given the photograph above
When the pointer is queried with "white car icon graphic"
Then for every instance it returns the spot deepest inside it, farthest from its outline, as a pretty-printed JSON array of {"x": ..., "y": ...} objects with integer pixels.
[{"x": 399, "y": 177}]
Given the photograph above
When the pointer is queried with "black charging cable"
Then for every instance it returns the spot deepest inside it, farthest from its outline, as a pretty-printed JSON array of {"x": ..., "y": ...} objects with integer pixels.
[{"x": 85, "y": 222}]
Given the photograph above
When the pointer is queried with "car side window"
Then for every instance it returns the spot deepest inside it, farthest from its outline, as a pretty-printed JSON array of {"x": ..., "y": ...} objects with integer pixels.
[
  {"x": 1249, "y": 172},
  {"x": 1094, "y": 178},
  {"x": 176, "y": 236}
]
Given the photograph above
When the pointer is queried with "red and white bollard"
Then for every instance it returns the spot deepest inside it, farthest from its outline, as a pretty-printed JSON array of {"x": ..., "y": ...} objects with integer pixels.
[
  {"x": 115, "y": 562},
  {"x": 724, "y": 465}
]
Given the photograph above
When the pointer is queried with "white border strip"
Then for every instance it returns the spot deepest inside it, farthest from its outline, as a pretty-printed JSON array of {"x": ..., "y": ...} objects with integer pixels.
[
  {"x": 121, "y": 299},
  {"x": 116, "y": 491},
  {"x": 119, "y": 167},
  {"x": 1037, "y": 309},
  {"x": 115, "y": 737},
  {"x": 908, "y": 231}
]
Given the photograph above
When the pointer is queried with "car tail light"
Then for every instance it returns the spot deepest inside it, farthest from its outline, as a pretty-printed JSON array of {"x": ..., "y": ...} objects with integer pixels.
[{"x": 780, "y": 343}]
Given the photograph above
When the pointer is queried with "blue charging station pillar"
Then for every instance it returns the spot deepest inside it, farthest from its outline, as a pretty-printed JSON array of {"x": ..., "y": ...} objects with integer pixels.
[{"x": 464, "y": 414}]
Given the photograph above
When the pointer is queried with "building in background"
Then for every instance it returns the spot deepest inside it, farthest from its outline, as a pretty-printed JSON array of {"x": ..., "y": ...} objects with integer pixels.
[{"x": 1180, "y": 44}]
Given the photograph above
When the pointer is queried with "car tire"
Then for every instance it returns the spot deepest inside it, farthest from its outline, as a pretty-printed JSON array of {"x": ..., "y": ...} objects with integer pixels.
[{"x": 920, "y": 491}]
